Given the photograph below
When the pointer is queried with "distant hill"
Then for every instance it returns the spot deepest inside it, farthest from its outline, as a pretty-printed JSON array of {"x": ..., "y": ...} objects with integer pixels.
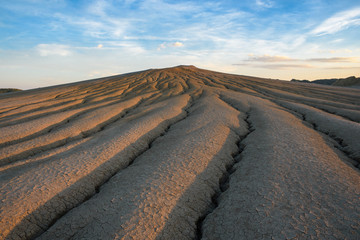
[
  {"x": 344, "y": 82},
  {"x": 7, "y": 90}
]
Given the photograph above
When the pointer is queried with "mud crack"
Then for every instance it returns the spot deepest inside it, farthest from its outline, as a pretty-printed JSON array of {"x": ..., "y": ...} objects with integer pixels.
[
  {"x": 340, "y": 142},
  {"x": 130, "y": 162},
  {"x": 225, "y": 178}
]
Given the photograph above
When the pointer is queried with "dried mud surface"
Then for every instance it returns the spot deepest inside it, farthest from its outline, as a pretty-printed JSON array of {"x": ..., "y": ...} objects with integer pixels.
[{"x": 180, "y": 153}]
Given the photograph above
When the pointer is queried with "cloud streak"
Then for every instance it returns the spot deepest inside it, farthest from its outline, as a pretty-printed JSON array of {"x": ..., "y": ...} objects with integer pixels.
[
  {"x": 335, "y": 59},
  {"x": 264, "y": 3},
  {"x": 286, "y": 63},
  {"x": 275, "y": 66},
  {"x": 338, "y": 22},
  {"x": 270, "y": 59},
  {"x": 169, "y": 44},
  {"x": 45, "y": 50}
]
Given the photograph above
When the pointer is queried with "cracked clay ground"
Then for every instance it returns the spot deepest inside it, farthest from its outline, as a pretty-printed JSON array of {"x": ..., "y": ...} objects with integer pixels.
[{"x": 180, "y": 153}]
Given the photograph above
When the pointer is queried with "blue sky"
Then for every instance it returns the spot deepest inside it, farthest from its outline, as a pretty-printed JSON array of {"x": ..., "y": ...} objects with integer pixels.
[{"x": 58, "y": 41}]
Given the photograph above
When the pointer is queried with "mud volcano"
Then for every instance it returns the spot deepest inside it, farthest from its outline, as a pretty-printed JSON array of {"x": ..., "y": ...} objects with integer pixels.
[{"x": 180, "y": 153}]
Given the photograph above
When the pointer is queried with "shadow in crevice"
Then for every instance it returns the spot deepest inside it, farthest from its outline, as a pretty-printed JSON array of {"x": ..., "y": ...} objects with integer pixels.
[
  {"x": 202, "y": 196},
  {"x": 37, "y": 222}
]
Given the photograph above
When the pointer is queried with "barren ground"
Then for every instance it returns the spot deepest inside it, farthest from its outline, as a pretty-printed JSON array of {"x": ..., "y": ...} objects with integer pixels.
[{"x": 180, "y": 153}]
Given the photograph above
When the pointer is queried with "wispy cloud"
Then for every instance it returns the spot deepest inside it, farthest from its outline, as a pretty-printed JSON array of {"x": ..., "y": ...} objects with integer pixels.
[
  {"x": 177, "y": 44},
  {"x": 170, "y": 44},
  {"x": 125, "y": 47},
  {"x": 264, "y": 3},
  {"x": 286, "y": 66},
  {"x": 286, "y": 63},
  {"x": 97, "y": 22},
  {"x": 343, "y": 68},
  {"x": 334, "y": 59},
  {"x": 275, "y": 66},
  {"x": 339, "y": 40},
  {"x": 269, "y": 58},
  {"x": 99, "y": 7},
  {"x": 165, "y": 8},
  {"x": 53, "y": 50},
  {"x": 338, "y": 22}
]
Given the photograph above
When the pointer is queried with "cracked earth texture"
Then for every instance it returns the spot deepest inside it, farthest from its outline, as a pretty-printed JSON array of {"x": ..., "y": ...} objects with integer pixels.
[{"x": 180, "y": 153}]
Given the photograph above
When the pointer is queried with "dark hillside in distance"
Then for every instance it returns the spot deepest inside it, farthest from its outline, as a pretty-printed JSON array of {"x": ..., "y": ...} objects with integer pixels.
[
  {"x": 7, "y": 90},
  {"x": 343, "y": 82}
]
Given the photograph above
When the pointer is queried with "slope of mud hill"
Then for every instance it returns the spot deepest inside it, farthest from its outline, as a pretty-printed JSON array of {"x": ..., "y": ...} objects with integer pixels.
[{"x": 180, "y": 153}]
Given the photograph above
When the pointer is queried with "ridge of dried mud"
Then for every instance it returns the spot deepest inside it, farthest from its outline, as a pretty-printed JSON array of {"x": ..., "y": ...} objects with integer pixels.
[{"x": 180, "y": 153}]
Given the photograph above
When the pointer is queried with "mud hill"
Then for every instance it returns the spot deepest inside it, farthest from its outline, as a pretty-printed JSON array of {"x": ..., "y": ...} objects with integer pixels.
[
  {"x": 343, "y": 82},
  {"x": 180, "y": 153},
  {"x": 8, "y": 90}
]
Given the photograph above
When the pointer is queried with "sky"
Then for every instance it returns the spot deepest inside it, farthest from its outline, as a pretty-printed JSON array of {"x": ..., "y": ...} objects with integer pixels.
[{"x": 50, "y": 42}]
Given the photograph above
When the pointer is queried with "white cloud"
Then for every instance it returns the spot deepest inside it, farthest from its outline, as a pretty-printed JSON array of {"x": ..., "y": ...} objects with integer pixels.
[
  {"x": 338, "y": 22},
  {"x": 98, "y": 8},
  {"x": 275, "y": 66},
  {"x": 269, "y": 58},
  {"x": 53, "y": 49},
  {"x": 285, "y": 66},
  {"x": 272, "y": 59},
  {"x": 170, "y": 9},
  {"x": 343, "y": 68},
  {"x": 339, "y": 40},
  {"x": 177, "y": 44},
  {"x": 335, "y": 59},
  {"x": 97, "y": 25},
  {"x": 126, "y": 46},
  {"x": 264, "y": 3},
  {"x": 173, "y": 44}
]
